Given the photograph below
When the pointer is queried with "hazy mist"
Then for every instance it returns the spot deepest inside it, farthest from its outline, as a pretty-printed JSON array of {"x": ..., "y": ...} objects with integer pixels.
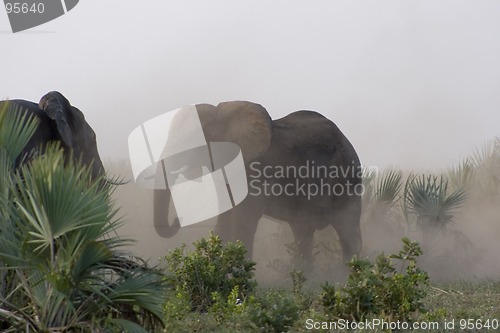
[
  {"x": 411, "y": 83},
  {"x": 415, "y": 84}
]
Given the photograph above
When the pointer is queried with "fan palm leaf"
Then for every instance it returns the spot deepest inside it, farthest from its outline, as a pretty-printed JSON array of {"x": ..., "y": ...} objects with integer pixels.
[
  {"x": 486, "y": 161},
  {"x": 63, "y": 266},
  {"x": 427, "y": 198},
  {"x": 388, "y": 187},
  {"x": 462, "y": 175},
  {"x": 15, "y": 129}
]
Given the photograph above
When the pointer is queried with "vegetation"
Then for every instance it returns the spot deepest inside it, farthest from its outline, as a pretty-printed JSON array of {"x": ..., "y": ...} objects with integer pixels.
[
  {"x": 379, "y": 288},
  {"x": 391, "y": 288},
  {"x": 211, "y": 272},
  {"x": 426, "y": 207},
  {"x": 62, "y": 265},
  {"x": 372, "y": 289}
]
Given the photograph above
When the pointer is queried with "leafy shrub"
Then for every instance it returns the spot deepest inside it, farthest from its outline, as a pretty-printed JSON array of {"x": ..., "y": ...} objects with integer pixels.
[
  {"x": 214, "y": 283},
  {"x": 224, "y": 315},
  {"x": 302, "y": 299},
  {"x": 276, "y": 311},
  {"x": 208, "y": 297},
  {"x": 379, "y": 288},
  {"x": 211, "y": 268}
]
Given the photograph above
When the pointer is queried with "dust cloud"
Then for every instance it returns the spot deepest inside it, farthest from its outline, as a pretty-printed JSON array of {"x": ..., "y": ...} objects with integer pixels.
[
  {"x": 136, "y": 210},
  {"x": 469, "y": 250}
]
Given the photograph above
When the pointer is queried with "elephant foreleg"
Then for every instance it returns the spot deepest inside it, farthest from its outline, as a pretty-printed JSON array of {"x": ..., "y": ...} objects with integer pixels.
[
  {"x": 303, "y": 235},
  {"x": 224, "y": 227},
  {"x": 240, "y": 223}
]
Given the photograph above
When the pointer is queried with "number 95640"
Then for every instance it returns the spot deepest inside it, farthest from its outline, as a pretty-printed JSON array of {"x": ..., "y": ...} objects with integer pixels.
[{"x": 24, "y": 8}]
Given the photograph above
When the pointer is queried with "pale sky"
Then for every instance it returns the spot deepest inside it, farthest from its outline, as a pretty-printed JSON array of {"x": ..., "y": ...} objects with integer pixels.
[{"x": 411, "y": 83}]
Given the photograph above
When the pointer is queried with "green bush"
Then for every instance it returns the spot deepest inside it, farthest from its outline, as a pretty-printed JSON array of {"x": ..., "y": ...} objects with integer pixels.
[
  {"x": 379, "y": 288},
  {"x": 211, "y": 268},
  {"x": 213, "y": 292},
  {"x": 276, "y": 311},
  {"x": 214, "y": 284}
]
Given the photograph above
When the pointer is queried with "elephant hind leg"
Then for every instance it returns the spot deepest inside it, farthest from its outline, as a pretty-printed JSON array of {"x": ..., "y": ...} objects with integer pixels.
[{"x": 349, "y": 232}]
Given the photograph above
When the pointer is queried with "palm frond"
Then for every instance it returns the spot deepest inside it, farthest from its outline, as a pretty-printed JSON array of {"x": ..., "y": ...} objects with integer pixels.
[
  {"x": 487, "y": 155},
  {"x": 462, "y": 175},
  {"x": 67, "y": 264},
  {"x": 388, "y": 187},
  {"x": 427, "y": 198},
  {"x": 368, "y": 175},
  {"x": 16, "y": 129},
  {"x": 486, "y": 161}
]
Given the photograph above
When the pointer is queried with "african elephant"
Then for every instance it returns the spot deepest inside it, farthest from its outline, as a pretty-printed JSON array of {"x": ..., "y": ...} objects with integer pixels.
[
  {"x": 300, "y": 169},
  {"x": 59, "y": 121}
]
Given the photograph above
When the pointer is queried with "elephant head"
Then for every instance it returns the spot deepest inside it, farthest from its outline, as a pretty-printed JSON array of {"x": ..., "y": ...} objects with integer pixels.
[
  {"x": 75, "y": 133},
  {"x": 59, "y": 121},
  {"x": 246, "y": 124}
]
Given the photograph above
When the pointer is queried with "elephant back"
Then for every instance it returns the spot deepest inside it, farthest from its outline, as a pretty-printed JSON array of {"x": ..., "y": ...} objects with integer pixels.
[{"x": 310, "y": 135}]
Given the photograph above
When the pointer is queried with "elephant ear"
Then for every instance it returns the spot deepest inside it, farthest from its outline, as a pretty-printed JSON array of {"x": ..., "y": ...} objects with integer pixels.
[
  {"x": 248, "y": 125},
  {"x": 58, "y": 108}
]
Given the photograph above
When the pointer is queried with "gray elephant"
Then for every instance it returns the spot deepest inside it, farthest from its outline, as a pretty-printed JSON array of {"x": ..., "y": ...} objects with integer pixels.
[
  {"x": 59, "y": 121},
  {"x": 300, "y": 169}
]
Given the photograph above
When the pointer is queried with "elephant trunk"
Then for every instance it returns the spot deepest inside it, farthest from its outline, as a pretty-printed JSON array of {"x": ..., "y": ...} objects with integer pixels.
[{"x": 161, "y": 204}]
